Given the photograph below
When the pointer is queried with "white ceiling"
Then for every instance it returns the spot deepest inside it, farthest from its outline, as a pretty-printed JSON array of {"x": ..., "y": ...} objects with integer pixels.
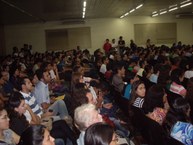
[{"x": 25, "y": 11}]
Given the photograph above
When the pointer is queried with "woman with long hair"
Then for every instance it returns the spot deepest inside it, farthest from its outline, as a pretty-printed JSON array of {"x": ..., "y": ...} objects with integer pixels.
[
  {"x": 100, "y": 134},
  {"x": 138, "y": 91},
  {"x": 177, "y": 122}
]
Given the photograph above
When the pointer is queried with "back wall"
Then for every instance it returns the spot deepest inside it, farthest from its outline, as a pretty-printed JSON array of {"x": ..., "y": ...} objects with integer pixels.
[{"x": 100, "y": 29}]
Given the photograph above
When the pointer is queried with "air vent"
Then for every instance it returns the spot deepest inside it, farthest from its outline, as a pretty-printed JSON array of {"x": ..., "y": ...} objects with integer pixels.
[
  {"x": 184, "y": 16},
  {"x": 73, "y": 21}
]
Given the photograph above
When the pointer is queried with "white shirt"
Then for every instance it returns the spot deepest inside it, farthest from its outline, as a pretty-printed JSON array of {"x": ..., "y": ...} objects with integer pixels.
[
  {"x": 103, "y": 68},
  {"x": 188, "y": 74}
]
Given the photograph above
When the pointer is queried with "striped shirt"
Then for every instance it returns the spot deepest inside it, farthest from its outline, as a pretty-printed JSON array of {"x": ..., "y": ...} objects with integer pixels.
[
  {"x": 178, "y": 89},
  {"x": 32, "y": 102},
  {"x": 138, "y": 102}
]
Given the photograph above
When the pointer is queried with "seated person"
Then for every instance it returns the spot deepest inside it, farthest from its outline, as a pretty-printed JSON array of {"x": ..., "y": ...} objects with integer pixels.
[
  {"x": 7, "y": 136},
  {"x": 42, "y": 95},
  {"x": 84, "y": 116},
  {"x": 100, "y": 134},
  {"x": 36, "y": 135},
  {"x": 130, "y": 78},
  {"x": 117, "y": 80}
]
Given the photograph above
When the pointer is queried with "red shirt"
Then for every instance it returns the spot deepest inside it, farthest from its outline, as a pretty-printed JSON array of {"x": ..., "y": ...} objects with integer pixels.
[{"x": 107, "y": 46}]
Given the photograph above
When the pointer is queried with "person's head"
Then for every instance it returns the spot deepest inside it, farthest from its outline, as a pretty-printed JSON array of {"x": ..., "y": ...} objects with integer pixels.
[
  {"x": 36, "y": 135},
  {"x": 178, "y": 112},
  {"x": 100, "y": 134},
  {"x": 2, "y": 81},
  {"x": 107, "y": 40},
  {"x": 34, "y": 79},
  {"x": 154, "y": 98},
  {"x": 17, "y": 103},
  {"x": 105, "y": 60},
  {"x": 86, "y": 115},
  {"x": 131, "y": 77},
  {"x": 5, "y": 75},
  {"x": 177, "y": 76},
  {"x": 77, "y": 77},
  {"x": 182, "y": 108},
  {"x": 120, "y": 70},
  {"x": 25, "y": 85},
  {"x": 79, "y": 69},
  {"x": 14, "y": 71},
  {"x": 43, "y": 75},
  {"x": 4, "y": 119},
  {"x": 137, "y": 90}
]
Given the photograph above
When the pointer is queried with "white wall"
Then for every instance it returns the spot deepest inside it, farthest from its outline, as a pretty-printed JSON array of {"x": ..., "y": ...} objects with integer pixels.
[{"x": 34, "y": 34}]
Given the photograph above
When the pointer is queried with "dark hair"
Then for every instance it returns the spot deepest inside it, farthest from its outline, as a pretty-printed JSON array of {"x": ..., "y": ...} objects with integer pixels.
[
  {"x": 189, "y": 94},
  {"x": 15, "y": 100},
  {"x": 98, "y": 134},
  {"x": 118, "y": 66},
  {"x": 176, "y": 74},
  {"x": 1, "y": 105},
  {"x": 21, "y": 81},
  {"x": 79, "y": 98},
  {"x": 129, "y": 76},
  {"x": 154, "y": 98},
  {"x": 33, "y": 135},
  {"x": 103, "y": 59},
  {"x": 178, "y": 112},
  {"x": 134, "y": 87},
  {"x": 39, "y": 73}
]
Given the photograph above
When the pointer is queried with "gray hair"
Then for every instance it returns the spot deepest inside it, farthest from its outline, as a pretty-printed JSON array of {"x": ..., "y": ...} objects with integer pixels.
[{"x": 83, "y": 116}]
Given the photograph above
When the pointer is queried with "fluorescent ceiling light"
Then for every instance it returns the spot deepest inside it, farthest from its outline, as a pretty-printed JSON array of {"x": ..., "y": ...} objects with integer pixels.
[
  {"x": 172, "y": 9},
  {"x": 185, "y": 1},
  {"x": 131, "y": 10},
  {"x": 84, "y": 9},
  {"x": 162, "y": 10},
  {"x": 187, "y": 4},
  {"x": 122, "y": 17},
  {"x": 154, "y": 15},
  {"x": 161, "y": 13},
  {"x": 126, "y": 14},
  {"x": 139, "y": 6},
  {"x": 84, "y": 3},
  {"x": 154, "y": 12},
  {"x": 173, "y": 6}
]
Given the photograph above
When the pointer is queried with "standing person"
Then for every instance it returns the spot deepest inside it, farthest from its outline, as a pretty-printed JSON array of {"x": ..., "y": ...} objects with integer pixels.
[
  {"x": 114, "y": 45},
  {"x": 133, "y": 46},
  {"x": 107, "y": 46},
  {"x": 121, "y": 44},
  {"x": 148, "y": 43}
]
